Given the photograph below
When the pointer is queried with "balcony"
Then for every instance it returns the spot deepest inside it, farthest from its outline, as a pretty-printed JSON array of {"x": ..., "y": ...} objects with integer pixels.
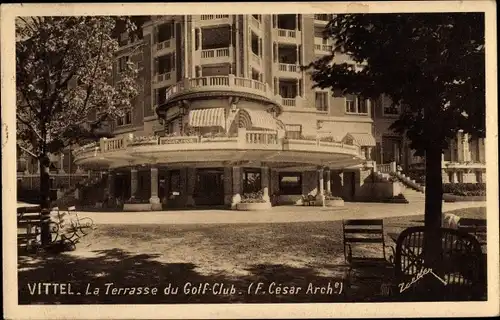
[
  {"x": 322, "y": 19},
  {"x": 236, "y": 85},
  {"x": 161, "y": 80},
  {"x": 215, "y": 56},
  {"x": 252, "y": 145},
  {"x": 164, "y": 47},
  {"x": 255, "y": 24},
  {"x": 287, "y": 36},
  {"x": 256, "y": 60},
  {"x": 214, "y": 19},
  {"x": 288, "y": 70},
  {"x": 320, "y": 47}
]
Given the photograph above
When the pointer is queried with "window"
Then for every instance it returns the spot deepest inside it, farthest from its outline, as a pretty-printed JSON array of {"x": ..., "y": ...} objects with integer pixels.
[
  {"x": 293, "y": 131},
  {"x": 322, "y": 101},
  {"x": 125, "y": 119},
  {"x": 350, "y": 104},
  {"x": 290, "y": 183},
  {"x": 122, "y": 63},
  {"x": 251, "y": 181},
  {"x": 354, "y": 104}
]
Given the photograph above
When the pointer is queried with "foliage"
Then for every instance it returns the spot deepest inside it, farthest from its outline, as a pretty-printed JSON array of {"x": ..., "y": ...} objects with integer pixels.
[
  {"x": 253, "y": 197},
  {"x": 430, "y": 62},
  {"x": 465, "y": 189},
  {"x": 136, "y": 201},
  {"x": 64, "y": 74}
]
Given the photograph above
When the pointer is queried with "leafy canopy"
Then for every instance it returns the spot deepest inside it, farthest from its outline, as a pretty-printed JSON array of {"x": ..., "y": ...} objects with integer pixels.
[
  {"x": 430, "y": 63},
  {"x": 64, "y": 77}
]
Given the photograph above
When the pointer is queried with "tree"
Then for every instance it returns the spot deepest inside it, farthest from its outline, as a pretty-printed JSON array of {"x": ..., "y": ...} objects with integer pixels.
[
  {"x": 64, "y": 78},
  {"x": 433, "y": 64}
]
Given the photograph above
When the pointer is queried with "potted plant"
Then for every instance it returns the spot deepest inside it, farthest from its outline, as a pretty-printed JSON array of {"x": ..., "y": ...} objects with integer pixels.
[
  {"x": 253, "y": 201},
  {"x": 333, "y": 201}
]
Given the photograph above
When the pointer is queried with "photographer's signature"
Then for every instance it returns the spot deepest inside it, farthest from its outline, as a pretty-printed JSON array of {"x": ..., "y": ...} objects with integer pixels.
[{"x": 424, "y": 271}]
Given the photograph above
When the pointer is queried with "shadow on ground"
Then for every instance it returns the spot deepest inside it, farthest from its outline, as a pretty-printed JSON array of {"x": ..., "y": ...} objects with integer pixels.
[{"x": 140, "y": 270}]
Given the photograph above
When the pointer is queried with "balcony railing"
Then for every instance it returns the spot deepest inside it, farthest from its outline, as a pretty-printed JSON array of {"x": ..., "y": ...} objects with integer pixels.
[
  {"x": 288, "y": 67},
  {"x": 164, "y": 44},
  {"x": 323, "y": 17},
  {"x": 230, "y": 82},
  {"x": 213, "y": 16},
  {"x": 163, "y": 77},
  {"x": 289, "y": 102},
  {"x": 244, "y": 140},
  {"x": 284, "y": 33},
  {"x": 215, "y": 53}
]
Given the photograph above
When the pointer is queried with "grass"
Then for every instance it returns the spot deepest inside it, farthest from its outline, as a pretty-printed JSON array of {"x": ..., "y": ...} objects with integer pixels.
[{"x": 291, "y": 254}]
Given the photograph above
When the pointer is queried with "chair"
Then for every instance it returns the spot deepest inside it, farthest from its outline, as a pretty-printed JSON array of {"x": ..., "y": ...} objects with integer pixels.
[
  {"x": 476, "y": 227},
  {"x": 459, "y": 274},
  {"x": 369, "y": 234}
]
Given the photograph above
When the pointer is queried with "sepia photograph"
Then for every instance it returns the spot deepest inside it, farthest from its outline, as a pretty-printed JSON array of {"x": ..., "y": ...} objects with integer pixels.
[{"x": 190, "y": 156}]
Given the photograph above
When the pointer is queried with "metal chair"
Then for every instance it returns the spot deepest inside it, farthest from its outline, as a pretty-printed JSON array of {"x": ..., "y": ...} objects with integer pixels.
[{"x": 458, "y": 274}]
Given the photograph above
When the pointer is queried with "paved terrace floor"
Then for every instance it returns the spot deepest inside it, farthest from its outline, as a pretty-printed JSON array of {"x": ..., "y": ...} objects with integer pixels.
[{"x": 279, "y": 214}]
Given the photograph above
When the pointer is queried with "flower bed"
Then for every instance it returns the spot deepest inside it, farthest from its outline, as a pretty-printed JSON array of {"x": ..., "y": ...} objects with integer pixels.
[
  {"x": 253, "y": 202},
  {"x": 137, "y": 205}
]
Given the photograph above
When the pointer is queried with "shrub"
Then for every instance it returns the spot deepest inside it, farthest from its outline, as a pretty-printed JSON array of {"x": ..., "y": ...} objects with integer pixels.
[
  {"x": 464, "y": 188},
  {"x": 330, "y": 196},
  {"x": 253, "y": 197}
]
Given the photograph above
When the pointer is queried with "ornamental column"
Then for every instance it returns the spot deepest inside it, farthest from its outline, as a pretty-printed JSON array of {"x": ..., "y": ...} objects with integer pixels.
[
  {"x": 328, "y": 182},
  {"x": 133, "y": 183},
  {"x": 236, "y": 187},
  {"x": 321, "y": 186},
  {"x": 154, "y": 200},
  {"x": 264, "y": 171}
]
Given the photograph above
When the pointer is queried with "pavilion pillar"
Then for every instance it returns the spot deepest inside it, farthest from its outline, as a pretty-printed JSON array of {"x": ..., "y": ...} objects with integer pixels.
[
  {"x": 133, "y": 183},
  {"x": 154, "y": 200},
  {"x": 264, "y": 172},
  {"x": 228, "y": 186},
  {"x": 111, "y": 184},
  {"x": 328, "y": 182},
  {"x": 190, "y": 184},
  {"x": 236, "y": 187},
  {"x": 321, "y": 192}
]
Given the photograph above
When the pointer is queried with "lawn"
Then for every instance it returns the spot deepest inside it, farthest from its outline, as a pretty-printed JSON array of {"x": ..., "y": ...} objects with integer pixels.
[{"x": 288, "y": 254}]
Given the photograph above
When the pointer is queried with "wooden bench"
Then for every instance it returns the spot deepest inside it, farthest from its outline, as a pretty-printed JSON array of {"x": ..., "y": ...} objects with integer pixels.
[
  {"x": 28, "y": 225},
  {"x": 476, "y": 227}
]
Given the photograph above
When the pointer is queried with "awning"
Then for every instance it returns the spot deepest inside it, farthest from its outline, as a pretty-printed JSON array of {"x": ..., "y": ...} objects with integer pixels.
[
  {"x": 262, "y": 119},
  {"x": 361, "y": 139},
  {"x": 212, "y": 117}
]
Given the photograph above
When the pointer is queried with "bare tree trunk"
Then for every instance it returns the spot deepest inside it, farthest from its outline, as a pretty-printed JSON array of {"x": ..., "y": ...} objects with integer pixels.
[{"x": 45, "y": 200}]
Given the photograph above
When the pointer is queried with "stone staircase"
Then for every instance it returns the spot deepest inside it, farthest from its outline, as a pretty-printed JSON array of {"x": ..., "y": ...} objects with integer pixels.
[
  {"x": 413, "y": 195},
  {"x": 413, "y": 192}
]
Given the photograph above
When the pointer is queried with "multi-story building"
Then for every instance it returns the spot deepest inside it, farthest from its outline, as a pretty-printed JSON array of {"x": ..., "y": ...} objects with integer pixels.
[{"x": 226, "y": 110}]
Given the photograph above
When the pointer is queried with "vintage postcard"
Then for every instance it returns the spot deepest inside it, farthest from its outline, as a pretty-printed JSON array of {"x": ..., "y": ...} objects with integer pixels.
[{"x": 213, "y": 160}]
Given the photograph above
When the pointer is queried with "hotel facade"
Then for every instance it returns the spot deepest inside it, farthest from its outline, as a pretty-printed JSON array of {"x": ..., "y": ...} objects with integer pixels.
[{"x": 225, "y": 111}]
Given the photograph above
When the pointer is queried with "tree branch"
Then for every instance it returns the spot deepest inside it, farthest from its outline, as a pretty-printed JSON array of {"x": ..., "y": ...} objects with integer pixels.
[{"x": 28, "y": 151}]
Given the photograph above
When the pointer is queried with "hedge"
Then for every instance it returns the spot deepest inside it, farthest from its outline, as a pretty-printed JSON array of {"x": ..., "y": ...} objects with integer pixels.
[{"x": 465, "y": 189}]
